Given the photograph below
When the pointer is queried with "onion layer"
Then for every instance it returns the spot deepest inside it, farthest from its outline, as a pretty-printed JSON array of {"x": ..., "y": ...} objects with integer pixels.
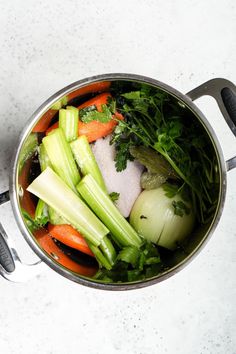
[{"x": 153, "y": 217}]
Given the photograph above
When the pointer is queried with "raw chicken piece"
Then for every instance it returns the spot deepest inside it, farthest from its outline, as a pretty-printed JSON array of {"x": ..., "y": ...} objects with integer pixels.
[{"x": 126, "y": 182}]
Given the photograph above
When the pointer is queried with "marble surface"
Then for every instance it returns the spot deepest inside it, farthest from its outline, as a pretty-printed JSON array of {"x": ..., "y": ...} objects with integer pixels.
[{"x": 46, "y": 45}]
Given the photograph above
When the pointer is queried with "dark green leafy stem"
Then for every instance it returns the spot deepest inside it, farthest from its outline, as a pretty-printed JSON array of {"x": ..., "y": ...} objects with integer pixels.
[
  {"x": 34, "y": 224},
  {"x": 133, "y": 264},
  {"x": 155, "y": 119}
]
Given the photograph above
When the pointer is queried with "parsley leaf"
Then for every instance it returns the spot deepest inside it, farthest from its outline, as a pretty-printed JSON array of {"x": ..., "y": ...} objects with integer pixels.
[
  {"x": 114, "y": 196},
  {"x": 133, "y": 264},
  {"x": 155, "y": 119},
  {"x": 133, "y": 95},
  {"x": 122, "y": 155},
  {"x": 92, "y": 114},
  {"x": 34, "y": 224},
  {"x": 180, "y": 208}
]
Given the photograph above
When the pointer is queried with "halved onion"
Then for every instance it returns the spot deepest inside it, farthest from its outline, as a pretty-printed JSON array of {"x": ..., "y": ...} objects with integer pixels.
[{"x": 153, "y": 217}]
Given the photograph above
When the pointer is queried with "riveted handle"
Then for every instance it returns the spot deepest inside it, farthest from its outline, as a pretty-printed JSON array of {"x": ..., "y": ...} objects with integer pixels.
[
  {"x": 6, "y": 259},
  {"x": 224, "y": 92},
  {"x": 11, "y": 267},
  {"x": 229, "y": 99}
]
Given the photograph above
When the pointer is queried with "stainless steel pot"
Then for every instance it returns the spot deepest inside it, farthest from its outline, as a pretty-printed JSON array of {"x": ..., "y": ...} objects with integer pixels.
[{"x": 224, "y": 93}]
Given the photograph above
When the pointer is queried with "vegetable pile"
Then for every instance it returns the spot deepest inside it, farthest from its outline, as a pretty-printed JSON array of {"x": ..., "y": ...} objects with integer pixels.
[{"x": 76, "y": 219}]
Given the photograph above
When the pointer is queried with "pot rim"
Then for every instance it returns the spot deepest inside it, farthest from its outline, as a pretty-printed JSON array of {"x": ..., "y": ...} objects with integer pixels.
[{"x": 14, "y": 183}]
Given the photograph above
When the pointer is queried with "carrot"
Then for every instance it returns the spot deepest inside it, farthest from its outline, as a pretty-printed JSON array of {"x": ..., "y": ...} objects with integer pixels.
[
  {"x": 26, "y": 201},
  {"x": 49, "y": 246},
  {"x": 97, "y": 101},
  {"x": 44, "y": 121},
  {"x": 70, "y": 237},
  {"x": 95, "y": 87},
  {"x": 95, "y": 130},
  {"x": 54, "y": 126}
]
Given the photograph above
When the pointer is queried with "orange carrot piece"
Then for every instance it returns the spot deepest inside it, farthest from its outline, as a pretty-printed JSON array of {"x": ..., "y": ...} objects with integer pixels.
[
  {"x": 54, "y": 126},
  {"x": 49, "y": 246},
  {"x": 95, "y": 130},
  {"x": 44, "y": 121},
  {"x": 70, "y": 237},
  {"x": 95, "y": 87},
  {"x": 97, "y": 101}
]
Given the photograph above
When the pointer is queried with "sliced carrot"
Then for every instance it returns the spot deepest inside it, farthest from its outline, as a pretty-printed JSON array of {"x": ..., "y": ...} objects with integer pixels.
[
  {"x": 70, "y": 237},
  {"x": 44, "y": 121},
  {"x": 54, "y": 126},
  {"x": 97, "y": 101},
  {"x": 95, "y": 87},
  {"x": 26, "y": 201},
  {"x": 95, "y": 130},
  {"x": 49, "y": 246}
]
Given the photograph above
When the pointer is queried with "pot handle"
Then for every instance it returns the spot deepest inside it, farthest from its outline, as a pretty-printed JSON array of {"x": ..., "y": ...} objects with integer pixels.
[
  {"x": 224, "y": 92},
  {"x": 11, "y": 267}
]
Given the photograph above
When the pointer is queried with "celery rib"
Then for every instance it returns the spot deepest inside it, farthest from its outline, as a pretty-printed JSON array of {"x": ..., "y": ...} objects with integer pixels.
[
  {"x": 54, "y": 192},
  {"x": 103, "y": 207},
  {"x": 61, "y": 157},
  {"x": 68, "y": 122},
  {"x": 86, "y": 160}
]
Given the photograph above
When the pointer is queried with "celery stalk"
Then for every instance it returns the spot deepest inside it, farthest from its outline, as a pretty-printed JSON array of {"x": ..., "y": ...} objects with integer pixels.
[
  {"x": 102, "y": 260},
  {"x": 61, "y": 157},
  {"x": 104, "y": 208},
  {"x": 60, "y": 103},
  {"x": 86, "y": 160},
  {"x": 44, "y": 161},
  {"x": 68, "y": 122},
  {"x": 28, "y": 149},
  {"x": 55, "y": 192},
  {"x": 55, "y": 218},
  {"x": 41, "y": 213},
  {"x": 108, "y": 249},
  {"x": 43, "y": 158}
]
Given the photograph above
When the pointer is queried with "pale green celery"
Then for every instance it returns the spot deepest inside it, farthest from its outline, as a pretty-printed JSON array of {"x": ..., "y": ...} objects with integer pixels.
[
  {"x": 86, "y": 160},
  {"x": 43, "y": 158},
  {"x": 102, "y": 260},
  {"x": 60, "y": 103},
  {"x": 104, "y": 208},
  {"x": 108, "y": 249},
  {"x": 68, "y": 122},
  {"x": 49, "y": 187},
  {"x": 54, "y": 217},
  {"x": 61, "y": 157},
  {"x": 41, "y": 213},
  {"x": 28, "y": 149}
]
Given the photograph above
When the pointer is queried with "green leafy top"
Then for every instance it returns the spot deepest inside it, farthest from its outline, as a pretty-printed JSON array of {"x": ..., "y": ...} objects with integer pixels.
[
  {"x": 133, "y": 264},
  {"x": 154, "y": 119},
  {"x": 88, "y": 114}
]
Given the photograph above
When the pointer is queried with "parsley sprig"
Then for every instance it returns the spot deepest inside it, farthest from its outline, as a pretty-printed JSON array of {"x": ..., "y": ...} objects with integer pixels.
[{"x": 154, "y": 119}]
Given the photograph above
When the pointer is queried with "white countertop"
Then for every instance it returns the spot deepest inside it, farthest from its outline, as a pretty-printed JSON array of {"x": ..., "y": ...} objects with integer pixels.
[{"x": 46, "y": 45}]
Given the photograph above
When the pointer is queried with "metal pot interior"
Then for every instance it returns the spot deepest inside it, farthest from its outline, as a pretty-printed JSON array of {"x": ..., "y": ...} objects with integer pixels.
[{"x": 28, "y": 168}]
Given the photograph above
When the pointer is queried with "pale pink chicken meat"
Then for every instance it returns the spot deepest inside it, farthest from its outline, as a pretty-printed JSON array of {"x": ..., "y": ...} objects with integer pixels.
[{"x": 126, "y": 182}]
